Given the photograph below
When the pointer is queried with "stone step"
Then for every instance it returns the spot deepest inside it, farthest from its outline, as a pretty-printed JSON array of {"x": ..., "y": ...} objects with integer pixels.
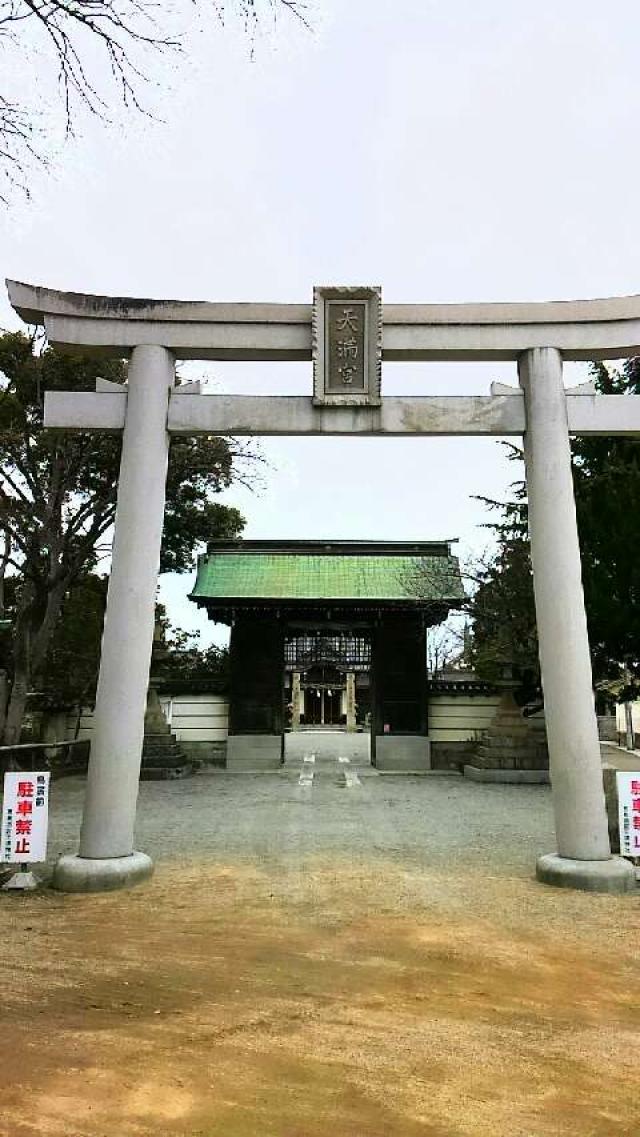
[
  {"x": 518, "y": 762},
  {"x": 507, "y": 751},
  {"x": 324, "y": 763},
  {"x": 157, "y": 731},
  {"x": 503, "y": 735},
  {"x": 160, "y": 747},
  {"x": 508, "y": 742},
  {"x": 508, "y": 728},
  {"x": 476, "y": 774},
  {"x": 336, "y": 773},
  {"x": 490, "y": 756},
  {"x": 165, "y": 773},
  {"x": 172, "y": 758},
  {"x": 253, "y": 764},
  {"x": 500, "y": 729}
]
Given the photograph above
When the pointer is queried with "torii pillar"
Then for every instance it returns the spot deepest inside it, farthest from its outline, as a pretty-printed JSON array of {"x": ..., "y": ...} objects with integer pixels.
[
  {"x": 583, "y": 858},
  {"x": 107, "y": 858}
]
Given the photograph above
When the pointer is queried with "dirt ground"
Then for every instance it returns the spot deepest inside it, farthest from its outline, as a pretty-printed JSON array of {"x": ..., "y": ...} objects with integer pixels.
[{"x": 363, "y": 995}]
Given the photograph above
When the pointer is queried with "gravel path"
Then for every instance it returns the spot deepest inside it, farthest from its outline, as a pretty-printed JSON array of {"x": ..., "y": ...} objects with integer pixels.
[{"x": 427, "y": 821}]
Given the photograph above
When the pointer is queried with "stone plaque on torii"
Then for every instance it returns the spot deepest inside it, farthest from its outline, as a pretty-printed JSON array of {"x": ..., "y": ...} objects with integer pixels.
[
  {"x": 347, "y": 332},
  {"x": 347, "y": 346}
]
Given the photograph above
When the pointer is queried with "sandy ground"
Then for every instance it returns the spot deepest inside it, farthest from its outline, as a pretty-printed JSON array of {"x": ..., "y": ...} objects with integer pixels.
[{"x": 372, "y": 961}]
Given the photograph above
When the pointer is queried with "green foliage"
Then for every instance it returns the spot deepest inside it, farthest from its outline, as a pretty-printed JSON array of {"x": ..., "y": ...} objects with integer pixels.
[
  {"x": 185, "y": 662},
  {"x": 57, "y": 490},
  {"x": 198, "y": 468},
  {"x": 70, "y": 671},
  {"x": 606, "y": 474},
  {"x": 69, "y": 674},
  {"x": 504, "y": 642},
  {"x": 58, "y": 498}
]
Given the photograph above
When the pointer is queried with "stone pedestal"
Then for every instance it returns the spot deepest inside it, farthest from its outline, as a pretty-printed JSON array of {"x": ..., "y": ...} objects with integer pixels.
[
  {"x": 89, "y": 874},
  {"x": 511, "y": 745},
  {"x": 613, "y": 875},
  {"x": 162, "y": 755},
  {"x": 253, "y": 753},
  {"x": 402, "y": 754}
]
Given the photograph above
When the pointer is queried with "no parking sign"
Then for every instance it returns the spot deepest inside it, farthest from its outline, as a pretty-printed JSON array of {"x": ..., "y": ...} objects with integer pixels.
[
  {"x": 25, "y": 815},
  {"x": 629, "y": 812}
]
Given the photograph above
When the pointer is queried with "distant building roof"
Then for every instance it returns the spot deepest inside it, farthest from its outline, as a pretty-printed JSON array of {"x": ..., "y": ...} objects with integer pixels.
[{"x": 361, "y": 572}]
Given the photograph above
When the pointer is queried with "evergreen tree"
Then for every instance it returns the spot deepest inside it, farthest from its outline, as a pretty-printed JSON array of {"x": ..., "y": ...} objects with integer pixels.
[
  {"x": 606, "y": 473},
  {"x": 58, "y": 498}
]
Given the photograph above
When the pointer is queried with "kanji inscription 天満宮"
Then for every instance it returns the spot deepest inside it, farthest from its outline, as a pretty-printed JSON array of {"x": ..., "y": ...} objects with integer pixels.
[{"x": 347, "y": 345}]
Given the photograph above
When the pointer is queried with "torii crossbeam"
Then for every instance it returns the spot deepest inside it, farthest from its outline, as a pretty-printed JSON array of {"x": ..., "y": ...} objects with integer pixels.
[{"x": 152, "y": 334}]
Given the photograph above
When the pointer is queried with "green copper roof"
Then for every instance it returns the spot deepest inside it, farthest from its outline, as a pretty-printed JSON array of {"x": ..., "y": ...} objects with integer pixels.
[{"x": 303, "y": 576}]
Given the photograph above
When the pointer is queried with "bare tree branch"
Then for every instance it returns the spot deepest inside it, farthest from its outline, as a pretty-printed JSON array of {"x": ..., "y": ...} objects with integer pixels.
[
  {"x": 127, "y": 32},
  {"x": 4, "y": 564}
]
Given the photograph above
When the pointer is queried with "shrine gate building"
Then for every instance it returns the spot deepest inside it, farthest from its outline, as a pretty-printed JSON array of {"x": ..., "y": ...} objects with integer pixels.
[{"x": 328, "y": 634}]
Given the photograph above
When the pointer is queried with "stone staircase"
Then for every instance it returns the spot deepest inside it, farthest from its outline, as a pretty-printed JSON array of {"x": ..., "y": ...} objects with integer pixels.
[
  {"x": 338, "y": 757},
  {"x": 327, "y": 746},
  {"x": 340, "y": 771}
]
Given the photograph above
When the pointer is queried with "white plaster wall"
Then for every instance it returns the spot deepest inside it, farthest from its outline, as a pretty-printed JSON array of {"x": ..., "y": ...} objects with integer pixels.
[
  {"x": 198, "y": 718},
  {"x": 192, "y": 718},
  {"x": 459, "y": 718},
  {"x": 204, "y": 718},
  {"x": 621, "y": 721}
]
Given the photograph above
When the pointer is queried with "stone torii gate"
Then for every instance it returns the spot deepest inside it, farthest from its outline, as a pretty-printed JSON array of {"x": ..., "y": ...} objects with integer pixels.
[{"x": 347, "y": 332}]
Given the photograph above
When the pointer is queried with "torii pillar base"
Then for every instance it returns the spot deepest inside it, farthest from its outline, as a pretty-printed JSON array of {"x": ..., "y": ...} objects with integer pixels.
[
  {"x": 92, "y": 874},
  {"x": 611, "y": 875}
]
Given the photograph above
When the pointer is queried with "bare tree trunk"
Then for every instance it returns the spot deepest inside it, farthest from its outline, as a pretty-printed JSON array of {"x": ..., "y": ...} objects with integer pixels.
[
  {"x": 17, "y": 706},
  {"x": 628, "y": 722},
  {"x": 30, "y": 649},
  {"x": 4, "y": 561},
  {"x": 21, "y": 674},
  {"x": 4, "y": 678},
  {"x": 4, "y": 699},
  {"x": 41, "y": 637}
]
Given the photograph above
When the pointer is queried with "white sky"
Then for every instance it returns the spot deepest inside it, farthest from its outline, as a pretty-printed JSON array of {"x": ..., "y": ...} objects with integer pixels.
[{"x": 447, "y": 151}]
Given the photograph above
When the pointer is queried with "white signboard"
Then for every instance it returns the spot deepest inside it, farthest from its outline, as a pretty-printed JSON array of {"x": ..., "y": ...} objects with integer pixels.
[
  {"x": 25, "y": 814},
  {"x": 629, "y": 812}
]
